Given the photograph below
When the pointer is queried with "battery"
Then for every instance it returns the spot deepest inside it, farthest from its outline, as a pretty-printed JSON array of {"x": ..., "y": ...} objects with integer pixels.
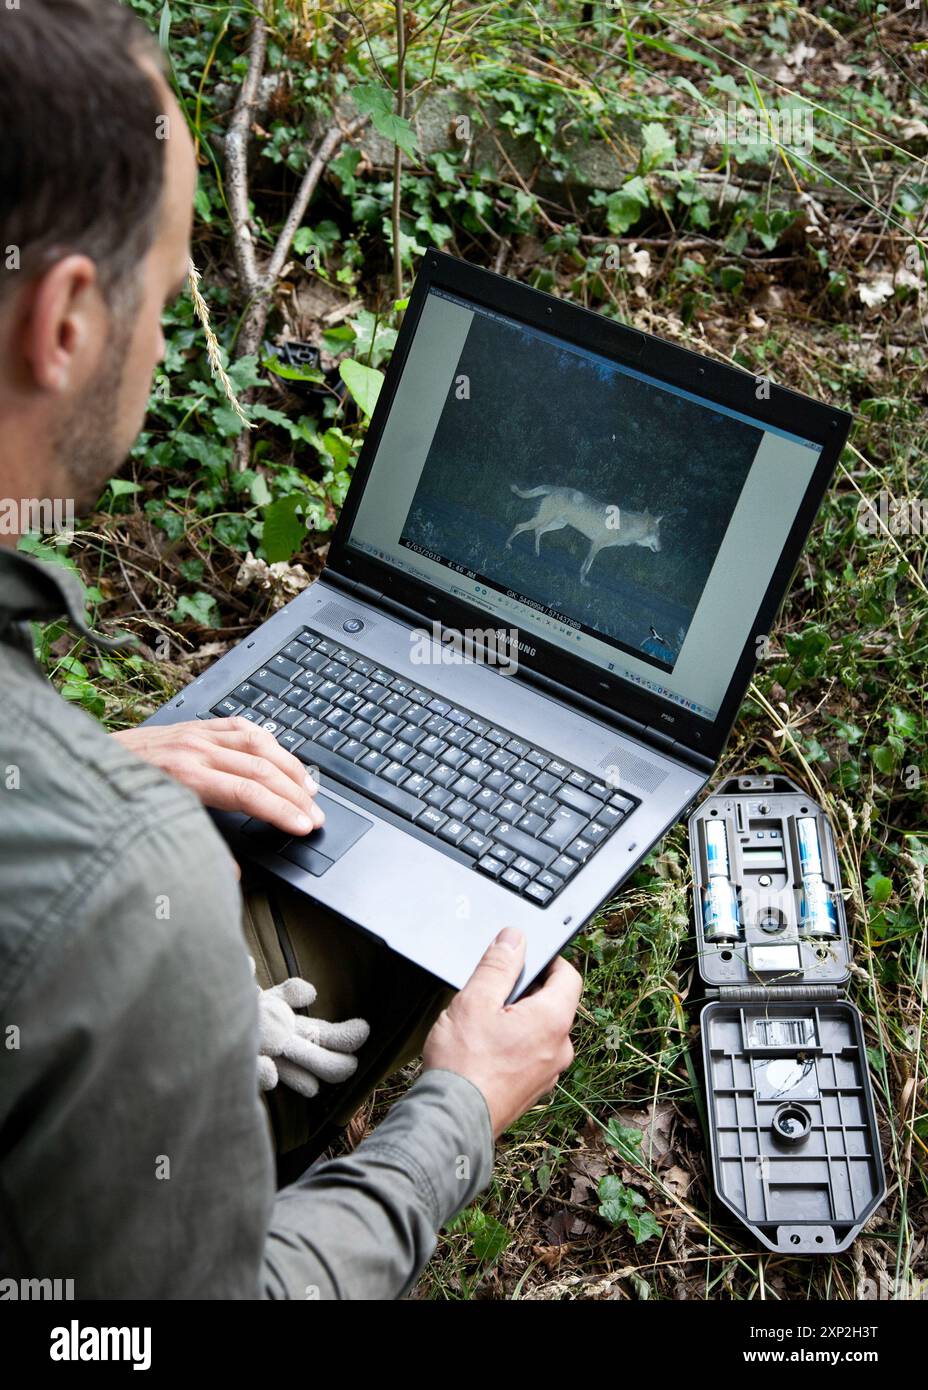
[
  {"x": 717, "y": 848},
  {"x": 720, "y": 919},
  {"x": 810, "y": 851},
  {"x": 817, "y": 915}
]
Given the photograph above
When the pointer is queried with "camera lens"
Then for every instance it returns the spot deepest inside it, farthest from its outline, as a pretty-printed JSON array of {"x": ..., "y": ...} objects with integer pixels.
[{"x": 792, "y": 1123}]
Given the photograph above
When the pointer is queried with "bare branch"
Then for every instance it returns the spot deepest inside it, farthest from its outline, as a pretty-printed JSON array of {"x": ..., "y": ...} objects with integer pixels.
[
  {"x": 328, "y": 147},
  {"x": 397, "y": 151},
  {"x": 254, "y": 320},
  {"x": 236, "y": 145},
  {"x": 255, "y": 317}
]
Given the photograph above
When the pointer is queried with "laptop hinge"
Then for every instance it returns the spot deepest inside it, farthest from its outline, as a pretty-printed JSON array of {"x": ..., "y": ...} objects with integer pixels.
[
  {"x": 679, "y": 750},
  {"x": 351, "y": 586},
  {"x": 655, "y": 738},
  {"x": 780, "y": 994}
]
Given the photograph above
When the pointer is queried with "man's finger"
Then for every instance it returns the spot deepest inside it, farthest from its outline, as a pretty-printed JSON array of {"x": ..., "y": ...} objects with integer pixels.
[
  {"x": 492, "y": 982},
  {"x": 559, "y": 993},
  {"x": 251, "y": 738},
  {"x": 226, "y": 790},
  {"x": 266, "y": 772}
]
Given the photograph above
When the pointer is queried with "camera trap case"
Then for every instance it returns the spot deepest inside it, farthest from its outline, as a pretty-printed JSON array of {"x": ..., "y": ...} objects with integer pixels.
[{"x": 792, "y": 1126}]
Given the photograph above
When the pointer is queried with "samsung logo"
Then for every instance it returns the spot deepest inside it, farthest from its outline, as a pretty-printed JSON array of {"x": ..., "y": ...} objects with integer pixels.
[{"x": 523, "y": 647}]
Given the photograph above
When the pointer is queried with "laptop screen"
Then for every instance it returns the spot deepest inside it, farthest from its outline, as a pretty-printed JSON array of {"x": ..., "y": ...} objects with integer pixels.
[{"x": 631, "y": 523}]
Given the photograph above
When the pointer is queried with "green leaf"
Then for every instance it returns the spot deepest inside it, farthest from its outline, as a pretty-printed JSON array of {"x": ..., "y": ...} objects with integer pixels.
[
  {"x": 198, "y": 608},
  {"x": 731, "y": 278},
  {"x": 288, "y": 373},
  {"x": 490, "y": 1238},
  {"x": 399, "y": 130},
  {"x": 625, "y": 205},
  {"x": 377, "y": 102},
  {"x": 337, "y": 443},
  {"x": 881, "y": 888},
  {"x": 884, "y": 759},
  {"x": 625, "y": 1138},
  {"x": 371, "y": 99},
  {"x": 644, "y": 1226},
  {"x": 614, "y": 1204},
  {"x": 260, "y": 492},
  {"x": 364, "y": 383},
  {"x": 192, "y": 570},
  {"x": 658, "y": 145},
  {"x": 202, "y": 204},
  {"x": 121, "y": 487},
  {"x": 284, "y": 530},
  {"x": 904, "y": 722}
]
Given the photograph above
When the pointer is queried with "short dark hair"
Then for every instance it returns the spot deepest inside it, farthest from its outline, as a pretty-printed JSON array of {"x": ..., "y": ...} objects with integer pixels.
[{"x": 81, "y": 164}]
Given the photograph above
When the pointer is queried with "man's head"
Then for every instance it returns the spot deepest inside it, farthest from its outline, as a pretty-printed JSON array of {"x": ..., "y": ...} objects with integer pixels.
[{"x": 97, "y": 176}]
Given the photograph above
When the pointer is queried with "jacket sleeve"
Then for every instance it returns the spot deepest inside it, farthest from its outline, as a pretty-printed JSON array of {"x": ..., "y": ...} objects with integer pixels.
[{"x": 363, "y": 1225}]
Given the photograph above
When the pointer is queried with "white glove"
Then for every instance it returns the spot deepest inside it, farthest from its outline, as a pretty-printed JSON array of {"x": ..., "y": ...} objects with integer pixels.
[{"x": 302, "y": 1051}]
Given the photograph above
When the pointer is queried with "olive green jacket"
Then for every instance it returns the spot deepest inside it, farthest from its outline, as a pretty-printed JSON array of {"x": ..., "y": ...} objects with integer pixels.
[{"x": 134, "y": 1152}]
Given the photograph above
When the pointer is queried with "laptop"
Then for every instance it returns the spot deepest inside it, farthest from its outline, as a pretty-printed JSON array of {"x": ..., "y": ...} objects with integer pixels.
[{"x": 560, "y": 556}]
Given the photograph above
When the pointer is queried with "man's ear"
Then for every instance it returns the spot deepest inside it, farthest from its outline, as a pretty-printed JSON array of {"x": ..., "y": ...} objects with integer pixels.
[{"x": 64, "y": 325}]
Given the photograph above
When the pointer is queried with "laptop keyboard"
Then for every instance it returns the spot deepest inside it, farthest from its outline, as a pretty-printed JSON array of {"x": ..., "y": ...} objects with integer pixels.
[{"x": 524, "y": 817}]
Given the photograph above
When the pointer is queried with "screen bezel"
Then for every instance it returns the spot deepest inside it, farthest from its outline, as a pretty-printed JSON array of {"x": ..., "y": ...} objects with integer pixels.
[{"x": 667, "y": 362}]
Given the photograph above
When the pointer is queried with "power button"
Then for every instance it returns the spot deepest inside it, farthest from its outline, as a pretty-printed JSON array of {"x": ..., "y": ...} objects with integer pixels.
[{"x": 352, "y": 625}]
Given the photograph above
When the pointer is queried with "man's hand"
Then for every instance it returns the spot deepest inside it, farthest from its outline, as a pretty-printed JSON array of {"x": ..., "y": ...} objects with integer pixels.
[
  {"x": 513, "y": 1053},
  {"x": 232, "y": 765}
]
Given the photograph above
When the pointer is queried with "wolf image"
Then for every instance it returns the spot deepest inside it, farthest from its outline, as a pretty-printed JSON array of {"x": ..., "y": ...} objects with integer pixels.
[{"x": 566, "y": 506}]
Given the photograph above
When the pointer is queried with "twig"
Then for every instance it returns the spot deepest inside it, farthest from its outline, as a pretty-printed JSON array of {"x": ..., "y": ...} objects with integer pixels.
[
  {"x": 254, "y": 320},
  {"x": 236, "y": 150},
  {"x": 397, "y": 151}
]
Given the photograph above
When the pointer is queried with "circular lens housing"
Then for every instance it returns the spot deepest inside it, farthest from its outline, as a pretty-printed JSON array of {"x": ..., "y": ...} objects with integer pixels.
[
  {"x": 792, "y": 1123},
  {"x": 771, "y": 919}
]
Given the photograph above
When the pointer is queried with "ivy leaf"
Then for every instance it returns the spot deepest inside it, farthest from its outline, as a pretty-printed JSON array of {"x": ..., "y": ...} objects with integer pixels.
[
  {"x": 337, "y": 443},
  {"x": 625, "y": 205},
  {"x": 658, "y": 145},
  {"x": 198, "y": 608},
  {"x": 121, "y": 487},
  {"x": 614, "y": 1205},
  {"x": 364, "y": 383},
  {"x": 625, "y": 1138},
  {"x": 284, "y": 530},
  {"x": 288, "y": 373},
  {"x": 644, "y": 1226},
  {"x": 490, "y": 1237},
  {"x": 884, "y": 759}
]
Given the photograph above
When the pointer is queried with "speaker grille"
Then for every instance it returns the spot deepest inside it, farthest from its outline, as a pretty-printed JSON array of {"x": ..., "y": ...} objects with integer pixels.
[
  {"x": 629, "y": 770},
  {"x": 334, "y": 614}
]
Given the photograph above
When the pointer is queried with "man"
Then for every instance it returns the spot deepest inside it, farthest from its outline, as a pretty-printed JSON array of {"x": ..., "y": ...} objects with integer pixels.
[{"x": 134, "y": 1153}]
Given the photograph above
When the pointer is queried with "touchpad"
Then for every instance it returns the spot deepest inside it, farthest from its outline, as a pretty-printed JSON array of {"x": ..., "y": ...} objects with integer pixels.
[{"x": 319, "y": 850}]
